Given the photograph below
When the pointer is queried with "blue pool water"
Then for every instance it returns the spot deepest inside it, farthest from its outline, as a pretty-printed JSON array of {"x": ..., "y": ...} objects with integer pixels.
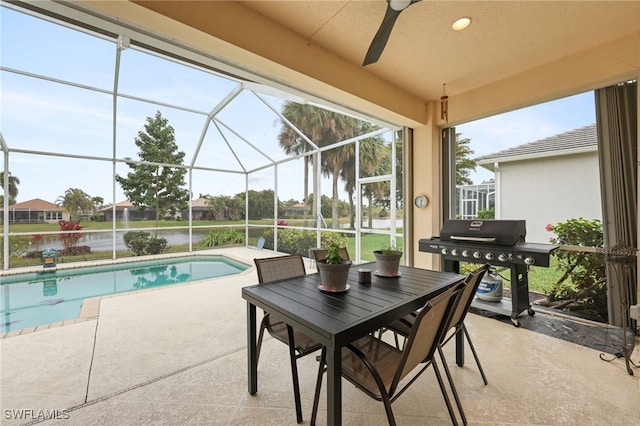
[{"x": 29, "y": 300}]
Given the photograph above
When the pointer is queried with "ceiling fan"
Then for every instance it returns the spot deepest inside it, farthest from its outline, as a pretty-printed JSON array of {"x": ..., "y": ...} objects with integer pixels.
[{"x": 394, "y": 7}]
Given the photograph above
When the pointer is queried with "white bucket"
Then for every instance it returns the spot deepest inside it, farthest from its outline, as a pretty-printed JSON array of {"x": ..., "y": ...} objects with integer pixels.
[{"x": 490, "y": 288}]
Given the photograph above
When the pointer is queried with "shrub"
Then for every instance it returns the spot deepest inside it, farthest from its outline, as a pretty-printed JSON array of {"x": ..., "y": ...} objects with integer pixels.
[
  {"x": 487, "y": 214},
  {"x": 34, "y": 254},
  {"x": 223, "y": 237},
  {"x": 584, "y": 278},
  {"x": 75, "y": 251},
  {"x": 140, "y": 243},
  {"x": 232, "y": 236},
  {"x": 156, "y": 245},
  {"x": 68, "y": 239},
  {"x": 297, "y": 241},
  {"x": 212, "y": 239},
  {"x": 18, "y": 245}
]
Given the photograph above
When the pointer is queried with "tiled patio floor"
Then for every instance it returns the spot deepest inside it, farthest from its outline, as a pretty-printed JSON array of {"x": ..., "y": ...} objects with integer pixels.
[{"x": 176, "y": 356}]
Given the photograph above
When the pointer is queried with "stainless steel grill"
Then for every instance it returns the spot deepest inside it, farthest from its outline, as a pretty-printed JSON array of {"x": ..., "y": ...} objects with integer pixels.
[{"x": 497, "y": 242}]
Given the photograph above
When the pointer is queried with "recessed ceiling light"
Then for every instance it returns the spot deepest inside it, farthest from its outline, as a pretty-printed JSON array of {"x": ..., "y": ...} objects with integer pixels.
[{"x": 461, "y": 23}]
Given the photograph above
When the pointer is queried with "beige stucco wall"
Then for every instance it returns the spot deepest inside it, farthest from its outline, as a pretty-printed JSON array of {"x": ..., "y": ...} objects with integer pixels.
[
  {"x": 319, "y": 73},
  {"x": 549, "y": 190}
]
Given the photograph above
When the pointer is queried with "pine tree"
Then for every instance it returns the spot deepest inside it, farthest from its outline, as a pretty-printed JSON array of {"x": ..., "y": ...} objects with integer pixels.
[
  {"x": 153, "y": 184},
  {"x": 464, "y": 164}
]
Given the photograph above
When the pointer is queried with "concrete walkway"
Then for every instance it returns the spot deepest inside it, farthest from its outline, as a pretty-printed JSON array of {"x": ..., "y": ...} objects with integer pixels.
[{"x": 176, "y": 356}]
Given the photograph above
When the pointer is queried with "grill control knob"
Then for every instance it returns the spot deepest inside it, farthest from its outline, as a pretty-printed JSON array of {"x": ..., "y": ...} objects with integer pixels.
[
  {"x": 489, "y": 256},
  {"x": 529, "y": 260},
  {"x": 444, "y": 251},
  {"x": 465, "y": 253},
  {"x": 455, "y": 252},
  {"x": 477, "y": 255},
  {"x": 502, "y": 257}
]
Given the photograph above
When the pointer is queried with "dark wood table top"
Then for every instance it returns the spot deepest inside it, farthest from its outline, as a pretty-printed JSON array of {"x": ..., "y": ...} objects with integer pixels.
[{"x": 335, "y": 319}]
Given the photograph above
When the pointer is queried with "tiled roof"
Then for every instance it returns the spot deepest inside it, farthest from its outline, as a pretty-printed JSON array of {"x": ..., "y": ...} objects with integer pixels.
[
  {"x": 121, "y": 205},
  {"x": 200, "y": 202},
  {"x": 35, "y": 204},
  {"x": 582, "y": 139}
]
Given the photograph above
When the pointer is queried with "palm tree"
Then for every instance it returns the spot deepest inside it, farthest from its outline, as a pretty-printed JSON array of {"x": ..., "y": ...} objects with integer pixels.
[
  {"x": 217, "y": 206},
  {"x": 370, "y": 157},
  {"x": 98, "y": 203},
  {"x": 340, "y": 127},
  {"x": 13, "y": 187},
  {"x": 76, "y": 202},
  {"x": 236, "y": 204},
  {"x": 323, "y": 128},
  {"x": 309, "y": 120},
  {"x": 377, "y": 191}
]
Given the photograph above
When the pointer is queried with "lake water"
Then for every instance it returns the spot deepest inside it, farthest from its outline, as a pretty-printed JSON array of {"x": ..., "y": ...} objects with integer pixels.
[{"x": 103, "y": 242}]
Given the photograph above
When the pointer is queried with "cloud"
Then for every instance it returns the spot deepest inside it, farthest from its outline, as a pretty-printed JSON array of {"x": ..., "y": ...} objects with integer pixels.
[{"x": 526, "y": 125}]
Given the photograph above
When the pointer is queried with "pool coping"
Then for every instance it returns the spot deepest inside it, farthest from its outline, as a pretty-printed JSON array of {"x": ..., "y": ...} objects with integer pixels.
[{"x": 90, "y": 309}]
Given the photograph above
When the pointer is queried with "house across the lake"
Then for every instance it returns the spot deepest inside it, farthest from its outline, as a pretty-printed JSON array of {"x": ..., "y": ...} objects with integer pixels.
[
  {"x": 125, "y": 210},
  {"x": 34, "y": 211},
  {"x": 296, "y": 210},
  {"x": 200, "y": 208}
]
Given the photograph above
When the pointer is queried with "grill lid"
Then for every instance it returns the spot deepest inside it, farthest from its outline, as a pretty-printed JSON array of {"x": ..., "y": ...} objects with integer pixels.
[{"x": 492, "y": 231}]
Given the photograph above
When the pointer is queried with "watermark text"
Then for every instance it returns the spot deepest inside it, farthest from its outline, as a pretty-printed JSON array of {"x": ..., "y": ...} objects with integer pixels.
[{"x": 32, "y": 414}]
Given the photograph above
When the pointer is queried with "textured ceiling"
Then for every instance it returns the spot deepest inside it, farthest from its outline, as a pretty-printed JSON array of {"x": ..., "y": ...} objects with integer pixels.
[{"x": 423, "y": 52}]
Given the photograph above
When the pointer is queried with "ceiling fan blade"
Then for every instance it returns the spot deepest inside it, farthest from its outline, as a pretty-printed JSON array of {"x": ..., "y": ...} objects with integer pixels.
[{"x": 382, "y": 36}]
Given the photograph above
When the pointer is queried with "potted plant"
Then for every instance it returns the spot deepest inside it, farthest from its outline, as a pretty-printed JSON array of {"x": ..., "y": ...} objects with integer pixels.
[
  {"x": 388, "y": 261},
  {"x": 334, "y": 271}
]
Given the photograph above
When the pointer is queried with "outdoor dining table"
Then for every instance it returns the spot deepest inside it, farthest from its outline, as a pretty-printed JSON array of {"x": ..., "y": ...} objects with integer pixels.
[{"x": 336, "y": 319}]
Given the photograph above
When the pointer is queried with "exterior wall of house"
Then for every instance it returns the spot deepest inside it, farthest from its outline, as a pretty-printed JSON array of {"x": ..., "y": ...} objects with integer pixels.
[
  {"x": 133, "y": 214},
  {"x": 549, "y": 190},
  {"x": 35, "y": 216}
]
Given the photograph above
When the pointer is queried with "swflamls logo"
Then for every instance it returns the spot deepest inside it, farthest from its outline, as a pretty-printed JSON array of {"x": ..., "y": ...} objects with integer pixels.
[{"x": 31, "y": 414}]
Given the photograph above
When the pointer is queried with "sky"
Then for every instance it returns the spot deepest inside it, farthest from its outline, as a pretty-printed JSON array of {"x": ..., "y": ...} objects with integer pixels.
[
  {"x": 493, "y": 134},
  {"x": 38, "y": 115}
]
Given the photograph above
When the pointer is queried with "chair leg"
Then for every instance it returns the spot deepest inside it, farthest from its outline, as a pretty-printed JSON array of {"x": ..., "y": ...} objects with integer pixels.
[
  {"x": 387, "y": 408},
  {"x": 395, "y": 337},
  {"x": 294, "y": 374},
  {"x": 443, "y": 390},
  {"x": 475, "y": 355},
  {"x": 316, "y": 396},
  {"x": 452, "y": 385},
  {"x": 260, "y": 336}
]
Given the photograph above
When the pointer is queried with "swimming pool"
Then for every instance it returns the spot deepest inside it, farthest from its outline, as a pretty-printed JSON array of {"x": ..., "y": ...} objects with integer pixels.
[{"x": 46, "y": 297}]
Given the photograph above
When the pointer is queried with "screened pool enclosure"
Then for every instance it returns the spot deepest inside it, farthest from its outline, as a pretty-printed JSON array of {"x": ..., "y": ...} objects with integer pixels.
[{"x": 121, "y": 131}]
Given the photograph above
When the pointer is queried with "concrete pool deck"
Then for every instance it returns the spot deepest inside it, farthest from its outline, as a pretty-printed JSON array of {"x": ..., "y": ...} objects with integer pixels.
[
  {"x": 177, "y": 356},
  {"x": 90, "y": 308}
]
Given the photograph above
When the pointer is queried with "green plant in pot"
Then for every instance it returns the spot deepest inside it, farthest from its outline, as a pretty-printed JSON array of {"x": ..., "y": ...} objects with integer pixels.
[
  {"x": 388, "y": 261},
  {"x": 334, "y": 271}
]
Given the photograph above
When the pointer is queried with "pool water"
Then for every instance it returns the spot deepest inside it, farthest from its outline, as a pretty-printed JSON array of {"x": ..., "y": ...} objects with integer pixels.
[{"x": 29, "y": 300}]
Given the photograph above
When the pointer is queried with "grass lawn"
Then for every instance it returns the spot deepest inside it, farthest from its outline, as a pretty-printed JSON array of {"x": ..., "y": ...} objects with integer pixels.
[{"x": 541, "y": 279}]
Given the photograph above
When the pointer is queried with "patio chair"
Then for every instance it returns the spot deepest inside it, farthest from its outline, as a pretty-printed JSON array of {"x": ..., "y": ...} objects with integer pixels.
[
  {"x": 274, "y": 269},
  {"x": 403, "y": 325},
  {"x": 380, "y": 369}
]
